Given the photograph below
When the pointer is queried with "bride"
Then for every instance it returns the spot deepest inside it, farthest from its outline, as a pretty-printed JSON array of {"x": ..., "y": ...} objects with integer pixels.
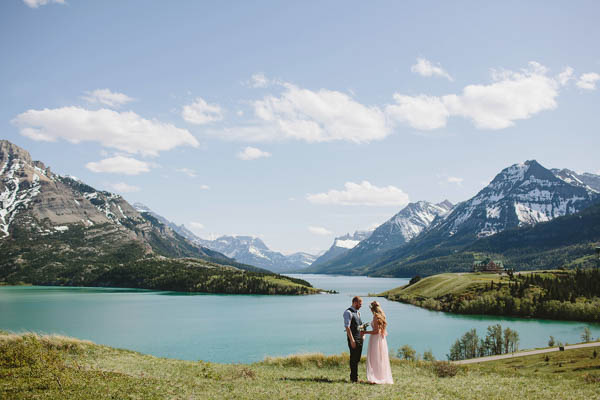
[{"x": 378, "y": 360}]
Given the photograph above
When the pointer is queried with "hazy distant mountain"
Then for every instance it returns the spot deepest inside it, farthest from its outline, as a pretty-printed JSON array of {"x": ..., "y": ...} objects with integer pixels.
[
  {"x": 395, "y": 232},
  {"x": 252, "y": 250},
  {"x": 341, "y": 245},
  {"x": 244, "y": 249}
]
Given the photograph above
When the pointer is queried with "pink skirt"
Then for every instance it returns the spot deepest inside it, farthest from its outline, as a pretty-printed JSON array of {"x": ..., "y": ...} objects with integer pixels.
[{"x": 378, "y": 360}]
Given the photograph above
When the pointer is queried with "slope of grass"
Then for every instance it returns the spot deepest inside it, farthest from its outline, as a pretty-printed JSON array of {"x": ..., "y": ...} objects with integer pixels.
[
  {"x": 57, "y": 367},
  {"x": 443, "y": 284}
]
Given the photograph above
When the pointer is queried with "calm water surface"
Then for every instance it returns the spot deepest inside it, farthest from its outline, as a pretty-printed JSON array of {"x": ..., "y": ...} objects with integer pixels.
[{"x": 246, "y": 328}]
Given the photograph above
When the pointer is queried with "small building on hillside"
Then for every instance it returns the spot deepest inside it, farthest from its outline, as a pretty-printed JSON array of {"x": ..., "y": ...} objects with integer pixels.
[{"x": 489, "y": 265}]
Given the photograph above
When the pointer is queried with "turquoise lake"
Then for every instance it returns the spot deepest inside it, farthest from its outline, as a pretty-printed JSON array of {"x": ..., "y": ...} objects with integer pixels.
[{"x": 247, "y": 328}]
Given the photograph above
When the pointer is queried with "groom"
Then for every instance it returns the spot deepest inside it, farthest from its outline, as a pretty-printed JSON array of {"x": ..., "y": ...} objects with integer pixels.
[{"x": 355, "y": 338}]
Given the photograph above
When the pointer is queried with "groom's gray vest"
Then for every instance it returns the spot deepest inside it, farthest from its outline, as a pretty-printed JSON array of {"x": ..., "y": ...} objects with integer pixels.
[{"x": 355, "y": 322}]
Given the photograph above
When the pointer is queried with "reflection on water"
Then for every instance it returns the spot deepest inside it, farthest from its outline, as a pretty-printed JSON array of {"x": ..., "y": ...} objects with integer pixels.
[{"x": 246, "y": 328}]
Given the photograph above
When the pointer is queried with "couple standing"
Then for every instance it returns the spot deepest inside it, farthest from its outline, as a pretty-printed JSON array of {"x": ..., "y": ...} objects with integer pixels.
[{"x": 378, "y": 360}]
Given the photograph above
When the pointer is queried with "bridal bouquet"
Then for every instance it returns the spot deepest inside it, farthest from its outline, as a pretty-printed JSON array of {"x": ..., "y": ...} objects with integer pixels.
[{"x": 363, "y": 327}]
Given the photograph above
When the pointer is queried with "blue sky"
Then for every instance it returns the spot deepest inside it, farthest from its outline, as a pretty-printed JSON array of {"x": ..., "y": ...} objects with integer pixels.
[{"x": 298, "y": 121}]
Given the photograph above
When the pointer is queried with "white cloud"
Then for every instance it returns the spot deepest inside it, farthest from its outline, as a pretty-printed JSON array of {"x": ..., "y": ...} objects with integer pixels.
[
  {"x": 119, "y": 165},
  {"x": 455, "y": 180},
  {"x": 361, "y": 194},
  {"x": 514, "y": 96},
  {"x": 122, "y": 187},
  {"x": 200, "y": 112},
  {"x": 189, "y": 172},
  {"x": 564, "y": 77},
  {"x": 424, "y": 67},
  {"x": 106, "y": 97},
  {"x": 204, "y": 187},
  {"x": 588, "y": 81},
  {"x": 37, "y": 3},
  {"x": 259, "y": 81},
  {"x": 421, "y": 112},
  {"x": 125, "y": 131},
  {"x": 312, "y": 116},
  {"x": 319, "y": 230},
  {"x": 511, "y": 97},
  {"x": 252, "y": 153}
]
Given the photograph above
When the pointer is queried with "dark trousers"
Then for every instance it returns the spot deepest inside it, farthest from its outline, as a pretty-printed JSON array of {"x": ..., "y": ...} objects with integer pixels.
[{"x": 355, "y": 354}]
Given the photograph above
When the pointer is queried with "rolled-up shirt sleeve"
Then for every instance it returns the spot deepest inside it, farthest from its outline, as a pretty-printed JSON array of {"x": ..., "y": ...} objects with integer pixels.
[{"x": 347, "y": 318}]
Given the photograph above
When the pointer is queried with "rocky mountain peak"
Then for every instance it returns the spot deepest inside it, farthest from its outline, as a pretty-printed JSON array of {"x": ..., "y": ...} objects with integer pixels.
[
  {"x": 9, "y": 151},
  {"x": 522, "y": 194}
]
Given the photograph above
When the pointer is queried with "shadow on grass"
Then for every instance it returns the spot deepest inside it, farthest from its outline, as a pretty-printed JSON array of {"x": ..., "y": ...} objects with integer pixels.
[{"x": 320, "y": 379}]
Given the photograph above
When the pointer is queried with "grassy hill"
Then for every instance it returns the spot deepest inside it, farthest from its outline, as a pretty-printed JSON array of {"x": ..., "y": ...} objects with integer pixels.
[
  {"x": 33, "y": 367},
  {"x": 569, "y": 295}
]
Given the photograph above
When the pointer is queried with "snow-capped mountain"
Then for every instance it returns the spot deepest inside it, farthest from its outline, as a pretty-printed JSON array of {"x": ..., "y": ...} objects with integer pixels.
[
  {"x": 404, "y": 226},
  {"x": 395, "y": 232},
  {"x": 252, "y": 250},
  {"x": 36, "y": 202},
  {"x": 522, "y": 194},
  {"x": 341, "y": 245}
]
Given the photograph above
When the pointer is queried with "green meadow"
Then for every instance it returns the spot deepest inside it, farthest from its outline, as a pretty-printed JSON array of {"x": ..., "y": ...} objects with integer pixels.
[{"x": 54, "y": 367}]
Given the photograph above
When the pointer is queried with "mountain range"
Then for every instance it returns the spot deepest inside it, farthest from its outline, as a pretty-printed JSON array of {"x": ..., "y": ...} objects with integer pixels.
[
  {"x": 520, "y": 196},
  {"x": 57, "y": 229},
  {"x": 244, "y": 249}
]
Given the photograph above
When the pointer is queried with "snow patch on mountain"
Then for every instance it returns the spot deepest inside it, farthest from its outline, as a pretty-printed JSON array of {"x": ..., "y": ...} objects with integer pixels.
[
  {"x": 15, "y": 196},
  {"x": 346, "y": 244}
]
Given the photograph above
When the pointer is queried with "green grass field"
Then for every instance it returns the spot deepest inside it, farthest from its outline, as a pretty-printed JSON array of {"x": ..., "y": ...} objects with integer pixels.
[
  {"x": 443, "y": 284},
  {"x": 33, "y": 367}
]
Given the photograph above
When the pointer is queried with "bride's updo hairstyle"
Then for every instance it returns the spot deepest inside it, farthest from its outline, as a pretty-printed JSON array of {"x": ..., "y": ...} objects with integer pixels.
[{"x": 379, "y": 315}]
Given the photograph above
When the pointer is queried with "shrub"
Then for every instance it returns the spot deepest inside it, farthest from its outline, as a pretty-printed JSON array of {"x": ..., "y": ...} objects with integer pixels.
[
  {"x": 40, "y": 356},
  {"x": 444, "y": 369},
  {"x": 407, "y": 353},
  {"x": 592, "y": 378},
  {"x": 428, "y": 355},
  {"x": 551, "y": 342}
]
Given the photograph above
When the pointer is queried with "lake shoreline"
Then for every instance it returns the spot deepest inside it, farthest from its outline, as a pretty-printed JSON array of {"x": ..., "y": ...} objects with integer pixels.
[{"x": 193, "y": 326}]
